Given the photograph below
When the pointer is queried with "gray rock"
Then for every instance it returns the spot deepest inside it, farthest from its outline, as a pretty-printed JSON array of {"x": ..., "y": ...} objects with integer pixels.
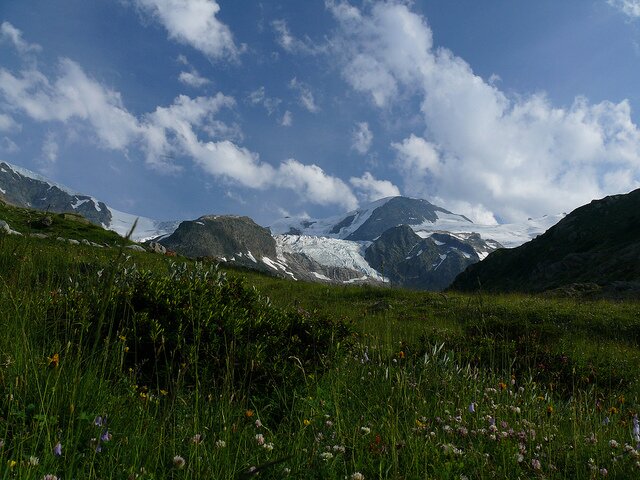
[
  {"x": 73, "y": 242},
  {"x": 136, "y": 248},
  {"x": 156, "y": 247},
  {"x": 39, "y": 235}
]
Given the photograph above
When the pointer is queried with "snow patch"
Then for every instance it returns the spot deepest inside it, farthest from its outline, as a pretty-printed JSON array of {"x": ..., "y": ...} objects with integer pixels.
[{"x": 320, "y": 276}]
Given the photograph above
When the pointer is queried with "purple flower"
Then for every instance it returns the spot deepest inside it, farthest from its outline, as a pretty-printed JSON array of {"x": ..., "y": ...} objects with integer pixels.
[
  {"x": 57, "y": 450},
  {"x": 472, "y": 407},
  {"x": 98, "y": 422},
  {"x": 106, "y": 436},
  {"x": 605, "y": 421}
]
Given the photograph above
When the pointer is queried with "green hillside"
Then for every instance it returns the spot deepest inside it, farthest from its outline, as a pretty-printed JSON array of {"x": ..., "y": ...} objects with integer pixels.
[{"x": 121, "y": 364}]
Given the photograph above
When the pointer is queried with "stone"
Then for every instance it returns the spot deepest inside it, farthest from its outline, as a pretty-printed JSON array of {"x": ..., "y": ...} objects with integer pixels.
[{"x": 155, "y": 247}]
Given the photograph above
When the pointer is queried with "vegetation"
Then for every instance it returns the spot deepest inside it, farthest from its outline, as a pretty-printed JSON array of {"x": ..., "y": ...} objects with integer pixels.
[{"x": 120, "y": 364}]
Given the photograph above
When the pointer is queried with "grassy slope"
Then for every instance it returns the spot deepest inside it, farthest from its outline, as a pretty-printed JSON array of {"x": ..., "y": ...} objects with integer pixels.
[{"x": 552, "y": 381}]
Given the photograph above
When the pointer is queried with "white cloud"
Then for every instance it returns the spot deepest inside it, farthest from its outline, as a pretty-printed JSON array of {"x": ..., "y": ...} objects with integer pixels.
[
  {"x": 194, "y": 23},
  {"x": 9, "y": 33},
  {"x": 8, "y": 146},
  {"x": 305, "y": 96},
  {"x": 8, "y": 124},
  {"x": 73, "y": 95},
  {"x": 630, "y": 8},
  {"x": 287, "y": 119},
  {"x": 314, "y": 185},
  {"x": 259, "y": 97},
  {"x": 512, "y": 156},
  {"x": 292, "y": 44},
  {"x": 193, "y": 79},
  {"x": 371, "y": 189},
  {"x": 50, "y": 148},
  {"x": 362, "y": 138}
]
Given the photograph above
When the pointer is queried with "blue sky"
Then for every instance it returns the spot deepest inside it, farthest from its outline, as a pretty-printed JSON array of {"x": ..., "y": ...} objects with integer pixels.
[{"x": 171, "y": 109}]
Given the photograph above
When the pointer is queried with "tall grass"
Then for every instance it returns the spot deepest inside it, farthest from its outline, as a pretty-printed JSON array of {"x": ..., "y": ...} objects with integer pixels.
[{"x": 179, "y": 370}]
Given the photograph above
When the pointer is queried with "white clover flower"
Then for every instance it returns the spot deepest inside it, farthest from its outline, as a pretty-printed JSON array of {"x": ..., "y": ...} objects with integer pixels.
[
  {"x": 268, "y": 446},
  {"x": 260, "y": 439},
  {"x": 258, "y": 423},
  {"x": 196, "y": 439},
  {"x": 613, "y": 444},
  {"x": 535, "y": 464},
  {"x": 519, "y": 457},
  {"x": 326, "y": 456},
  {"x": 357, "y": 476},
  {"x": 33, "y": 461},
  {"x": 365, "y": 430},
  {"x": 221, "y": 443},
  {"x": 339, "y": 448},
  {"x": 179, "y": 462}
]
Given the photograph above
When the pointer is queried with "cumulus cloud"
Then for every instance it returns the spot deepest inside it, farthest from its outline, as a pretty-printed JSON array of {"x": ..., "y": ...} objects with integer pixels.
[
  {"x": 314, "y": 185},
  {"x": 305, "y": 95},
  {"x": 371, "y": 189},
  {"x": 9, "y": 33},
  {"x": 630, "y": 8},
  {"x": 193, "y": 79},
  {"x": 188, "y": 128},
  {"x": 194, "y": 23},
  {"x": 362, "y": 138},
  {"x": 502, "y": 155}
]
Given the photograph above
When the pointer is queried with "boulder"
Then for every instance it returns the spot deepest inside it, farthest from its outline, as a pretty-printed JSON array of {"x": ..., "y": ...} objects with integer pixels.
[{"x": 156, "y": 247}]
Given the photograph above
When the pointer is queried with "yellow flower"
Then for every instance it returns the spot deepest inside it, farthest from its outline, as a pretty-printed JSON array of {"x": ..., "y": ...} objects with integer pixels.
[
  {"x": 502, "y": 385},
  {"x": 122, "y": 338},
  {"x": 401, "y": 354},
  {"x": 164, "y": 393},
  {"x": 248, "y": 413},
  {"x": 306, "y": 422},
  {"x": 55, "y": 360},
  {"x": 12, "y": 463},
  {"x": 549, "y": 409}
]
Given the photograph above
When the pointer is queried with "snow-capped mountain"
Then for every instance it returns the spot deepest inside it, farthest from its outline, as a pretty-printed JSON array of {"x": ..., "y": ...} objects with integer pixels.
[
  {"x": 22, "y": 187},
  {"x": 406, "y": 241}
]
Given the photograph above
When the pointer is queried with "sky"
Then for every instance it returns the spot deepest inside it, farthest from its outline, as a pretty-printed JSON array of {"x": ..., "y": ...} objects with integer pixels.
[{"x": 172, "y": 109}]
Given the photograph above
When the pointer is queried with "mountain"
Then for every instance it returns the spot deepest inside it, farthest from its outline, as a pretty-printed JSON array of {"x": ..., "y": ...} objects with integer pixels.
[
  {"x": 407, "y": 241},
  {"x": 24, "y": 188},
  {"x": 370, "y": 221},
  {"x": 597, "y": 246},
  {"x": 425, "y": 263},
  {"x": 240, "y": 241}
]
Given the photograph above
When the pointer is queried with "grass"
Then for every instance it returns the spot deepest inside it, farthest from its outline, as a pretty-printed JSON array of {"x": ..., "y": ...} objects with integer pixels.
[{"x": 141, "y": 366}]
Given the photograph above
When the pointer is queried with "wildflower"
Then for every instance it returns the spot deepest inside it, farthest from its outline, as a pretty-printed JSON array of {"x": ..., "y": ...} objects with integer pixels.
[
  {"x": 258, "y": 423},
  {"x": 196, "y": 439},
  {"x": 502, "y": 385},
  {"x": 33, "y": 461},
  {"x": 613, "y": 410},
  {"x": 99, "y": 421},
  {"x": 472, "y": 407},
  {"x": 365, "y": 430},
  {"x": 221, "y": 443},
  {"x": 604, "y": 472},
  {"x": 49, "y": 476},
  {"x": 613, "y": 444},
  {"x": 286, "y": 470},
  {"x": 605, "y": 421},
  {"x": 357, "y": 476},
  {"x": 57, "y": 450},
  {"x": 54, "y": 360},
  {"x": 12, "y": 463},
  {"x": 306, "y": 422},
  {"x": 519, "y": 457},
  {"x": 164, "y": 393},
  {"x": 1, "y": 443},
  {"x": 549, "y": 409},
  {"x": 636, "y": 428},
  {"x": 326, "y": 456},
  {"x": 248, "y": 413},
  {"x": 268, "y": 446},
  {"x": 179, "y": 462},
  {"x": 339, "y": 448},
  {"x": 535, "y": 464},
  {"x": 106, "y": 436},
  {"x": 260, "y": 439},
  {"x": 401, "y": 354}
]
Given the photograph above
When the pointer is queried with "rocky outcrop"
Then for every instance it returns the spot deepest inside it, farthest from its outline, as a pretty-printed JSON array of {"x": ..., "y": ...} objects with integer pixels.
[
  {"x": 598, "y": 243},
  {"x": 222, "y": 237},
  {"x": 430, "y": 263}
]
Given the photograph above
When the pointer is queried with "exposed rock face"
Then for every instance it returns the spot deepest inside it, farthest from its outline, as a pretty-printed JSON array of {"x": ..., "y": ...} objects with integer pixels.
[
  {"x": 397, "y": 211},
  {"x": 598, "y": 243},
  {"x": 223, "y": 237},
  {"x": 426, "y": 263},
  {"x": 22, "y": 190}
]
